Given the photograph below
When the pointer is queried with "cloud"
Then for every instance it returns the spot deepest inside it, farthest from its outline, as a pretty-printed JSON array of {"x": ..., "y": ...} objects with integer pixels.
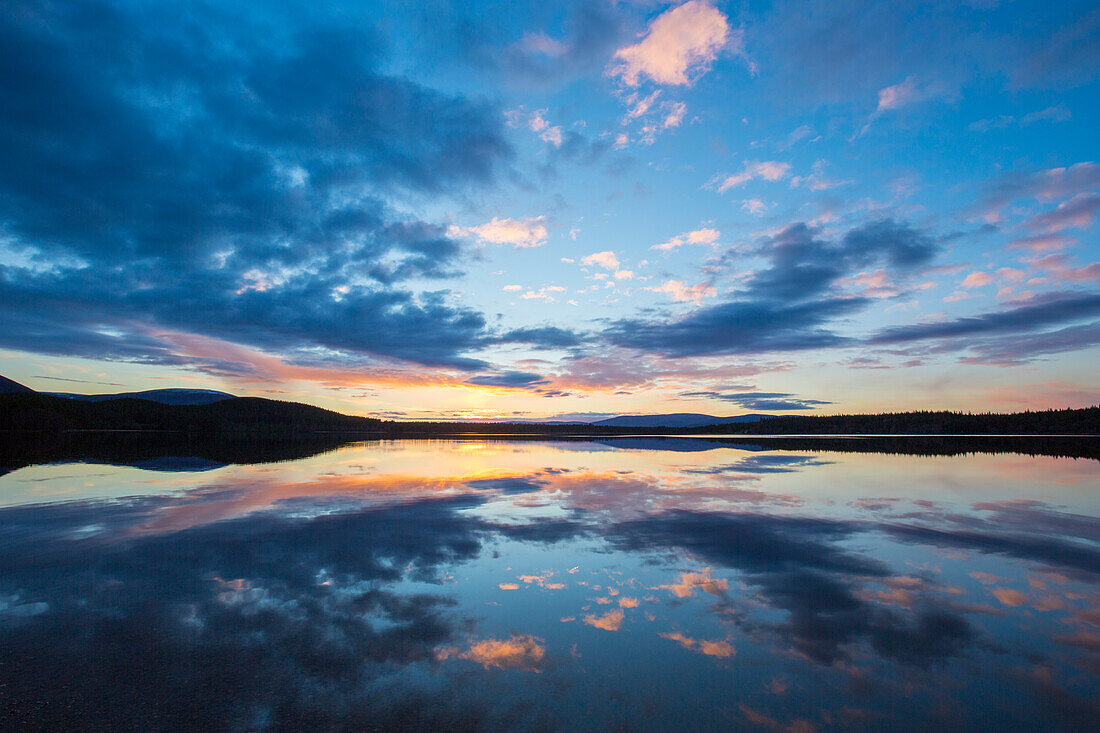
[
  {"x": 535, "y": 122},
  {"x": 768, "y": 170},
  {"x": 977, "y": 280},
  {"x": 674, "y": 115},
  {"x": 785, "y": 306},
  {"x": 543, "y": 337},
  {"x": 579, "y": 45},
  {"x": 898, "y": 95},
  {"x": 1064, "y": 56},
  {"x": 510, "y": 380},
  {"x": 225, "y": 184},
  {"x": 607, "y": 260},
  {"x": 777, "y": 401},
  {"x": 521, "y": 233},
  {"x": 330, "y": 619},
  {"x": 1043, "y": 185},
  {"x": 610, "y": 621},
  {"x": 681, "y": 293},
  {"x": 717, "y": 648},
  {"x": 680, "y": 44},
  {"x": 521, "y": 651},
  {"x": 1076, "y": 213},
  {"x": 800, "y": 567},
  {"x": 699, "y": 236},
  {"x": 1057, "y": 113},
  {"x": 1049, "y": 310}
]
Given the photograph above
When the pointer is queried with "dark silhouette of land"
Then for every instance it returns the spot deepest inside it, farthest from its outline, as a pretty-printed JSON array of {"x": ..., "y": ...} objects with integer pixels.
[
  {"x": 28, "y": 411},
  {"x": 37, "y": 427}
]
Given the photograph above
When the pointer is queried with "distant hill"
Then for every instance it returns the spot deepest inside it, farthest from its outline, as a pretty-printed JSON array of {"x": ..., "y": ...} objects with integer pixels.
[
  {"x": 1083, "y": 421},
  {"x": 163, "y": 396},
  {"x": 10, "y": 386},
  {"x": 207, "y": 414},
  {"x": 235, "y": 416},
  {"x": 677, "y": 420}
]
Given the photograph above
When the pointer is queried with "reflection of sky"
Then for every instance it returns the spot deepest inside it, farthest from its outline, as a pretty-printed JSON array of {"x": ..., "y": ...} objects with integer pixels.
[{"x": 555, "y": 585}]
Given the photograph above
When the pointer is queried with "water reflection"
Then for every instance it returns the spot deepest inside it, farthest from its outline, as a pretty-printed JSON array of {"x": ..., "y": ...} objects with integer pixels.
[{"x": 554, "y": 585}]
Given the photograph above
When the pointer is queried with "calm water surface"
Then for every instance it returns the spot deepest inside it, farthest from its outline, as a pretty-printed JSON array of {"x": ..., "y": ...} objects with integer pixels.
[{"x": 636, "y": 584}]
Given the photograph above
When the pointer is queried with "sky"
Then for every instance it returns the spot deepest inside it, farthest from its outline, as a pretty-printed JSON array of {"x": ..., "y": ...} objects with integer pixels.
[{"x": 518, "y": 211}]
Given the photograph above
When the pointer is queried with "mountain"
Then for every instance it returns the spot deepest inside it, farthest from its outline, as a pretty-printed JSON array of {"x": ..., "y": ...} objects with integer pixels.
[
  {"x": 8, "y": 386},
  {"x": 235, "y": 416},
  {"x": 677, "y": 420},
  {"x": 163, "y": 396}
]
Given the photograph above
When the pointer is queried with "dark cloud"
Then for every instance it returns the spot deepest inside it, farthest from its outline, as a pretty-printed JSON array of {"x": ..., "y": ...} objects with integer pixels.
[
  {"x": 788, "y": 305},
  {"x": 761, "y": 400},
  {"x": 576, "y": 45},
  {"x": 823, "y": 50},
  {"x": 1072, "y": 213},
  {"x": 224, "y": 620},
  {"x": 1068, "y": 57},
  {"x": 762, "y": 463},
  {"x": 1054, "y": 183},
  {"x": 543, "y": 337},
  {"x": 508, "y": 379},
  {"x": 738, "y": 327},
  {"x": 510, "y": 485},
  {"x": 1047, "y": 310},
  {"x": 1018, "y": 349},
  {"x": 226, "y": 173},
  {"x": 799, "y": 567}
]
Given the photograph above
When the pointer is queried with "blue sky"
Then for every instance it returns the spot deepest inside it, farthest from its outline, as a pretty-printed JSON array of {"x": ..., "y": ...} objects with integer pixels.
[{"x": 501, "y": 210}]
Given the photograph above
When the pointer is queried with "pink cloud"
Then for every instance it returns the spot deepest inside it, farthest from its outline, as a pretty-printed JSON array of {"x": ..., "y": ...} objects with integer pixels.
[
  {"x": 688, "y": 583},
  {"x": 1076, "y": 213},
  {"x": 674, "y": 115},
  {"x": 1043, "y": 242},
  {"x": 681, "y": 293},
  {"x": 977, "y": 280},
  {"x": 768, "y": 170},
  {"x": 1059, "y": 267},
  {"x": 898, "y": 95},
  {"x": 718, "y": 648},
  {"x": 699, "y": 236},
  {"x": 521, "y": 233},
  {"x": 680, "y": 42},
  {"x": 607, "y": 260},
  {"x": 522, "y": 651},
  {"x": 610, "y": 621}
]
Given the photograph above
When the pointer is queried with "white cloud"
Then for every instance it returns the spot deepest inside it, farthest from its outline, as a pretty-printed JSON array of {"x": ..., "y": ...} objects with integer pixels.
[
  {"x": 607, "y": 260},
  {"x": 639, "y": 107},
  {"x": 681, "y": 293},
  {"x": 680, "y": 42},
  {"x": 513, "y": 288},
  {"x": 768, "y": 170},
  {"x": 674, "y": 115},
  {"x": 535, "y": 122},
  {"x": 898, "y": 95},
  {"x": 754, "y": 206},
  {"x": 521, "y": 233},
  {"x": 544, "y": 294},
  {"x": 699, "y": 236}
]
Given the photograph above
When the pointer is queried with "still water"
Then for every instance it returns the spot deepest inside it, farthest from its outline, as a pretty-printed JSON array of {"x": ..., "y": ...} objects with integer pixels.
[{"x": 634, "y": 584}]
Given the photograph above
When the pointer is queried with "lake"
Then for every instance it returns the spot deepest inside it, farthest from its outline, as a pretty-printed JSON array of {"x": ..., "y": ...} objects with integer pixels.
[{"x": 635, "y": 584}]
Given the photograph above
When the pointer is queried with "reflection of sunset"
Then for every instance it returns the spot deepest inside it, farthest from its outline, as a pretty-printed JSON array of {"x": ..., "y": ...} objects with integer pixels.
[
  {"x": 610, "y": 621},
  {"x": 813, "y": 570},
  {"x": 688, "y": 583},
  {"x": 521, "y": 651},
  {"x": 717, "y": 648}
]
